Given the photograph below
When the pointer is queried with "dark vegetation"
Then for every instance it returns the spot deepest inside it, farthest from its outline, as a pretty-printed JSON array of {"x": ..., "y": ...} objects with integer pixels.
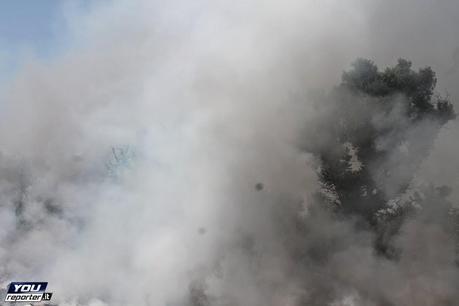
[{"x": 385, "y": 122}]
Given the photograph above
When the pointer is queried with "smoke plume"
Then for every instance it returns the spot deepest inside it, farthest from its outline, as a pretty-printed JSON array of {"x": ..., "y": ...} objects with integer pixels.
[{"x": 164, "y": 158}]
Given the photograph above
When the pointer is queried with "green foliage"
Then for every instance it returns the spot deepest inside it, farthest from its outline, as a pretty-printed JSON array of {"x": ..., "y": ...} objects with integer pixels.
[
  {"x": 418, "y": 86},
  {"x": 379, "y": 128},
  {"x": 121, "y": 159}
]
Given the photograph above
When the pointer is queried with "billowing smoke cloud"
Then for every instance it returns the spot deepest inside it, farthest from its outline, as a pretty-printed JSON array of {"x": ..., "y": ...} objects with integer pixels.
[{"x": 159, "y": 160}]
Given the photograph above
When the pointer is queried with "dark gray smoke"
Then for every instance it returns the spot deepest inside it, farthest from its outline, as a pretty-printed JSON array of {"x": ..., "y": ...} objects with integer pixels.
[{"x": 164, "y": 158}]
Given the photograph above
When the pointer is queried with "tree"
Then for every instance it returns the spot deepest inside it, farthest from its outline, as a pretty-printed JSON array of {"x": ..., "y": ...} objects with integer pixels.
[{"x": 379, "y": 128}]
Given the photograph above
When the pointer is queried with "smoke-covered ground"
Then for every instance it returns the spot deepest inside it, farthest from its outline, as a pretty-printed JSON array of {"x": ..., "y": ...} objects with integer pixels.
[{"x": 160, "y": 159}]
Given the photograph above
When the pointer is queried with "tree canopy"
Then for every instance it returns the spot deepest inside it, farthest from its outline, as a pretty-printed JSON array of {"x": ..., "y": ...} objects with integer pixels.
[
  {"x": 417, "y": 86},
  {"x": 379, "y": 128}
]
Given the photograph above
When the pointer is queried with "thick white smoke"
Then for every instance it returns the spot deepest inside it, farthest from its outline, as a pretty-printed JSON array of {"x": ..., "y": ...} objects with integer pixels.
[{"x": 146, "y": 164}]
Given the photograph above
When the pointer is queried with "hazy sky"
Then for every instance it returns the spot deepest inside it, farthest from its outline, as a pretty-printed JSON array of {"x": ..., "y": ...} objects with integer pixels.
[{"x": 31, "y": 29}]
